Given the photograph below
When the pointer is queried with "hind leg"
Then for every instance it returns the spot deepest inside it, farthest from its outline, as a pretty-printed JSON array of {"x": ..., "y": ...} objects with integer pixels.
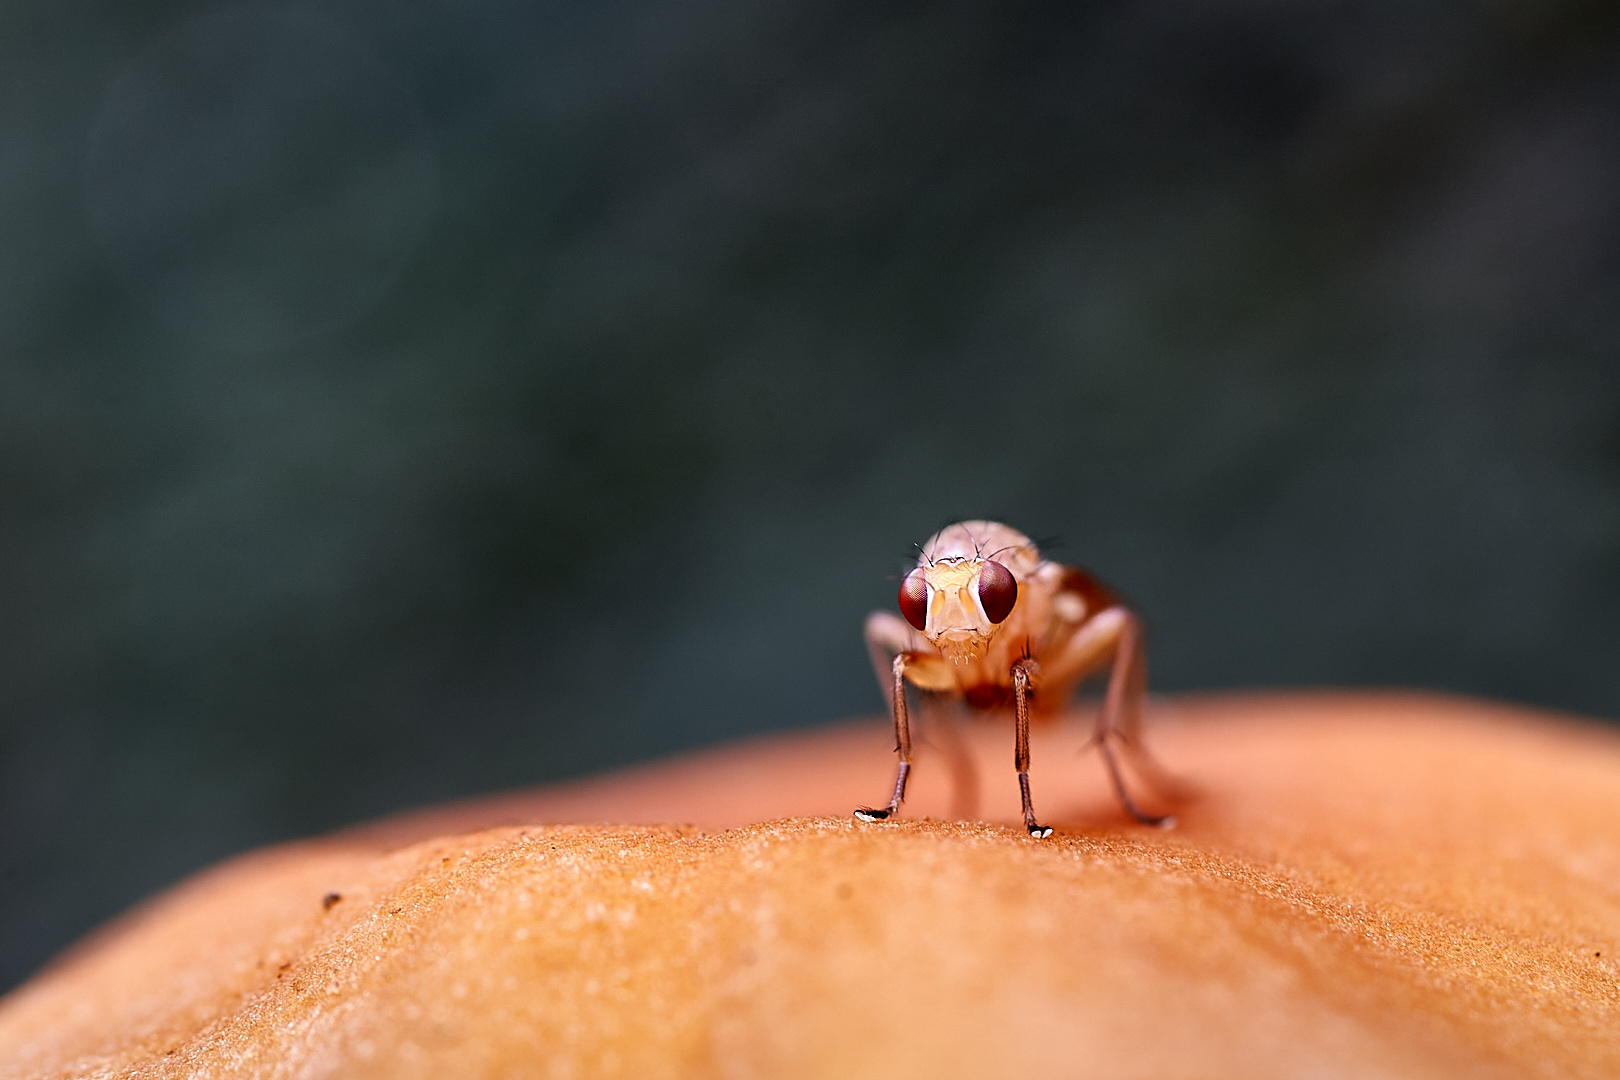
[
  {"x": 1113, "y": 636},
  {"x": 1120, "y": 718}
]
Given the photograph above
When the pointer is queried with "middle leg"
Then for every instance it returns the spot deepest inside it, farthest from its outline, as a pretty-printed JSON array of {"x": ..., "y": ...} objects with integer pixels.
[{"x": 942, "y": 731}]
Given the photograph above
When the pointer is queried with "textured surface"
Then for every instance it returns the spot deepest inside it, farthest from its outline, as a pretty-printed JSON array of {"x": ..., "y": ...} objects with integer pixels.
[{"x": 1365, "y": 886}]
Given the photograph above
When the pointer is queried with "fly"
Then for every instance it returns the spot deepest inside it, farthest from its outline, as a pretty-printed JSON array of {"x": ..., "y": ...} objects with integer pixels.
[{"x": 987, "y": 619}]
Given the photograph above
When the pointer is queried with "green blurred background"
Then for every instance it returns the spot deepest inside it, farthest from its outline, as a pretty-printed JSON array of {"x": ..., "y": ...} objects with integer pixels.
[{"x": 406, "y": 400}]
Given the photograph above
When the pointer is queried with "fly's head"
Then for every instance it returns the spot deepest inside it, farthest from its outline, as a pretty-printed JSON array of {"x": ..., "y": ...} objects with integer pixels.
[{"x": 966, "y": 585}]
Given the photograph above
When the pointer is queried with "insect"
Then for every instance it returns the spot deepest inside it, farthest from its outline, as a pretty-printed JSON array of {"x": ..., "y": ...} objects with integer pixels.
[{"x": 986, "y": 618}]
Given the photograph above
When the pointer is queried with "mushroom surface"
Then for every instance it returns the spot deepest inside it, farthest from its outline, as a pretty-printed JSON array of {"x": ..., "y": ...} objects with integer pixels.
[{"x": 1364, "y": 885}]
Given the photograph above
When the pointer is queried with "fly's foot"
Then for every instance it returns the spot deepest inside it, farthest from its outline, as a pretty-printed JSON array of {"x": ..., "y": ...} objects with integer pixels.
[
  {"x": 1039, "y": 832},
  {"x": 866, "y": 813},
  {"x": 1162, "y": 821}
]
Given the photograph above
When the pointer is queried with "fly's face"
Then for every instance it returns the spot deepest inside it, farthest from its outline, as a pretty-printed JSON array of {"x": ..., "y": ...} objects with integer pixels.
[{"x": 959, "y": 603}]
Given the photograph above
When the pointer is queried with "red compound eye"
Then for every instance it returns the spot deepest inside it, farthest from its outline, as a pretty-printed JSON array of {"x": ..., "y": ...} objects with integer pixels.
[
  {"x": 914, "y": 599},
  {"x": 998, "y": 591}
]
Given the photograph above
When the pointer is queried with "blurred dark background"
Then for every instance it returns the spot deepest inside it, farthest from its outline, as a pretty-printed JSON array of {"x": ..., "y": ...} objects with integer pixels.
[{"x": 402, "y": 400}]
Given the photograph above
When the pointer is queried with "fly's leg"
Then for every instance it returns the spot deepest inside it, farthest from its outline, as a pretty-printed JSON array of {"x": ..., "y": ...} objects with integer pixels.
[
  {"x": 1129, "y": 734},
  {"x": 888, "y": 636},
  {"x": 964, "y": 770},
  {"x": 902, "y": 746},
  {"x": 1020, "y": 677},
  {"x": 1120, "y": 715}
]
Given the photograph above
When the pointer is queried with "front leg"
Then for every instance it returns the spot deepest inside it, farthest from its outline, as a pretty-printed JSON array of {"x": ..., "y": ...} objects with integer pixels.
[
  {"x": 1021, "y": 679},
  {"x": 889, "y": 636},
  {"x": 902, "y": 744}
]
